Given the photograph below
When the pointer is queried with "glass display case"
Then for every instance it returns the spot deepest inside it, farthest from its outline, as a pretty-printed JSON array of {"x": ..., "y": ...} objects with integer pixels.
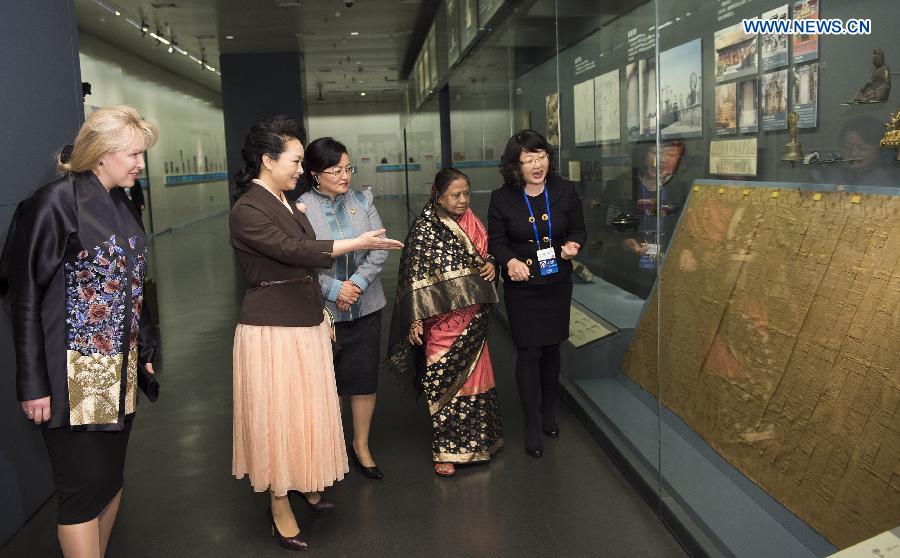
[{"x": 734, "y": 306}]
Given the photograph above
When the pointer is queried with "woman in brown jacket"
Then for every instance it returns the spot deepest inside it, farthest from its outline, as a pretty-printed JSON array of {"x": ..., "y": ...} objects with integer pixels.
[{"x": 287, "y": 421}]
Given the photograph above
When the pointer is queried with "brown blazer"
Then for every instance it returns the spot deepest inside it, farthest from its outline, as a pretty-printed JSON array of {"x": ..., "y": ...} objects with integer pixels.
[{"x": 279, "y": 253}]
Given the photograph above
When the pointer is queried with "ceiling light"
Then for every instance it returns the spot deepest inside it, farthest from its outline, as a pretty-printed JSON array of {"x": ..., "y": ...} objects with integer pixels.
[
  {"x": 208, "y": 67},
  {"x": 354, "y": 33},
  {"x": 229, "y": 37},
  {"x": 118, "y": 13},
  {"x": 362, "y": 94},
  {"x": 171, "y": 49}
]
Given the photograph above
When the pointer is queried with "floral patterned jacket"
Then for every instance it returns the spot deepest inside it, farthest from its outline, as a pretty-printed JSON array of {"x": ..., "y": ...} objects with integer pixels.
[{"x": 72, "y": 272}]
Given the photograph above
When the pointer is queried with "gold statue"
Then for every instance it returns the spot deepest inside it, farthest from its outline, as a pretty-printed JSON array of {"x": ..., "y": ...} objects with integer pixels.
[
  {"x": 877, "y": 89},
  {"x": 891, "y": 139},
  {"x": 793, "y": 151}
]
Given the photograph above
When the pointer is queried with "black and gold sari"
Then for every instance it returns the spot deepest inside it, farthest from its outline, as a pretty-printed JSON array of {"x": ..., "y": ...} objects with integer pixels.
[{"x": 440, "y": 285}]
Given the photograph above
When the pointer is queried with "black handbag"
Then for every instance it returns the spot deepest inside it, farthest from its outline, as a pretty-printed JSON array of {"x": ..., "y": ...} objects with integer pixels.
[{"x": 147, "y": 382}]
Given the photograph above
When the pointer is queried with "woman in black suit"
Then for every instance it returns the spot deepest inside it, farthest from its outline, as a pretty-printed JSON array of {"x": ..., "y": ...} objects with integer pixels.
[{"x": 536, "y": 226}]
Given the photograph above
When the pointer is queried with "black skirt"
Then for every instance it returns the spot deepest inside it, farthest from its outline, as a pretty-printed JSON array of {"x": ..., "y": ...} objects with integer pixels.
[
  {"x": 356, "y": 368},
  {"x": 88, "y": 469},
  {"x": 538, "y": 314}
]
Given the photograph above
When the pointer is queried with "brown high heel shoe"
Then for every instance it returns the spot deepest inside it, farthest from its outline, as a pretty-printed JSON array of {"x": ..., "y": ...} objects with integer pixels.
[{"x": 290, "y": 543}]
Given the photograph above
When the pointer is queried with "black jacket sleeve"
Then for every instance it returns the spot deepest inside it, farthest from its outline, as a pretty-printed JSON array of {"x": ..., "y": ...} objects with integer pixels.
[
  {"x": 36, "y": 248},
  {"x": 575, "y": 215},
  {"x": 498, "y": 241}
]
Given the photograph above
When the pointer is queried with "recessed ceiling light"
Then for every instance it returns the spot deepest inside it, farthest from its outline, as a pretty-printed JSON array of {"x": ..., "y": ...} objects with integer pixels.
[
  {"x": 354, "y": 33},
  {"x": 229, "y": 37},
  {"x": 362, "y": 94}
]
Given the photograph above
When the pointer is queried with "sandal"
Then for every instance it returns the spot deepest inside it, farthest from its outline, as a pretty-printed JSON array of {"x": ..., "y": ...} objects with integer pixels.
[{"x": 445, "y": 470}]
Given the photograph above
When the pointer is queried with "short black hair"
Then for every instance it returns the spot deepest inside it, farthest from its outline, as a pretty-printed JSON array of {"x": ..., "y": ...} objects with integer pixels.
[
  {"x": 321, "y": 154},
  {"x": 528, "y": 141}
]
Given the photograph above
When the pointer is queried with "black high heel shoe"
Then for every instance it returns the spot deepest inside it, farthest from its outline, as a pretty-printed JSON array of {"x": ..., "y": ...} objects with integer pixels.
[
  {"x": 322, "y": 506},
  {"x": 552, "y": 431},
  {"x": 371, "y": 472},
  {"x": 534, "y": 452},
  {"x": 290, "y": 543}
]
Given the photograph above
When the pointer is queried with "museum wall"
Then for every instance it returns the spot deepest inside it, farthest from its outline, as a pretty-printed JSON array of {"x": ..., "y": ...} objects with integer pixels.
[{"x": 191, "y": 146}]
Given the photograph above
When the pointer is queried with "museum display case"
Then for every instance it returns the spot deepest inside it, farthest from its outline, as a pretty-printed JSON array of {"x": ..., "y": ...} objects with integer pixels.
[{"x": 735, "y": 305}]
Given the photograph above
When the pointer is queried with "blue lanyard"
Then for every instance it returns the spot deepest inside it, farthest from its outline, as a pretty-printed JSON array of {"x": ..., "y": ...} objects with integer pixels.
[{"x": 537, "y": 237}]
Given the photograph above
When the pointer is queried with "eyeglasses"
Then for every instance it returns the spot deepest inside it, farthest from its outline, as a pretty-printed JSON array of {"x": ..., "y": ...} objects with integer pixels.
[
  {"x": 530, "y": 162},
  {"x": 337, "y": 173}
]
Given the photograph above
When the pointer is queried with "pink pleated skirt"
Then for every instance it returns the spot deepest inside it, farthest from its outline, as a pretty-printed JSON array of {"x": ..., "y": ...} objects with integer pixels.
[{"x": 287, "y": 430}]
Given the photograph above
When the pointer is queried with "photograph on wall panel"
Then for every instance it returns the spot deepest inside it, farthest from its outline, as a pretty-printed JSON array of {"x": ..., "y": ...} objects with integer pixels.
[
  {"x": 647, "y": 94},
  {"x": 805, "y": 47},
  {"x": 805, "y": 94},
  {"x": 774, "y": 100},
  {"x": 552, "y": 103},
  {"x": 468, "y": 23},
  {"x": 583, "y": 99},
  {"x": 774, "y": 48},
  {"x": 748, "y": 106},
  {"x": 726, "y": 108},
  {"x": 632, "y": 107},
  {"x": 606, "y": 107},
  {"x": 680, "y": 90},
  {"x": 487, "y": 9},
  {"x": 735, "y": 53},
  {"x": 452, "y": 7}
]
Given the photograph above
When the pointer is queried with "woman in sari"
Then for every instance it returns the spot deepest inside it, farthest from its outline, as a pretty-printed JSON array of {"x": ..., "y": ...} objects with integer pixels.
[{"x": 438, "y": 341}]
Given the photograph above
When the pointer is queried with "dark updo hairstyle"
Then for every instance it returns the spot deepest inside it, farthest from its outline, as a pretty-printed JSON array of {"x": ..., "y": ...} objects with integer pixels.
[
  {"x": 266, "y": 137},
  {"x": 444, "y": 178},
  {"x": 528, "y": 141},
  {"x": 321, "y": 154}
]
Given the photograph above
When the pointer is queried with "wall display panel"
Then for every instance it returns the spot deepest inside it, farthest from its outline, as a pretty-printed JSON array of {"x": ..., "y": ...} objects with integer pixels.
[
  {"x": 805, "y": 96},
  {"x": 583, "y": 98},
  {"x": 680, "y": 90},
  {"x": 774, "y": 47},
  {"x": 805, "y": 47},
  {"x": 552, "y": 119},
  {"x": 773, "y": 86},
  {"x": 606, "y": 107},
  {"x": 468, "y": 24},
  {"x": 726, "y": 108},
  {"x": 736, "y": 53},
  {"x": 451, "y": 8},
  {"x": 780, "y": 359}
]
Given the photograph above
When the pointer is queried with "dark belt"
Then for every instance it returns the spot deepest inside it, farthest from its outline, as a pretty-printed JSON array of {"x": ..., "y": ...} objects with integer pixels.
[{"x": 282, "y": 282}]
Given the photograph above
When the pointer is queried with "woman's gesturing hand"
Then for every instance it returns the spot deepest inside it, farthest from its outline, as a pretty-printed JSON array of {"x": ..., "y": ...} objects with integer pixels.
[
  {"x": 375, "y": 240},
  {"x": 488, "y": 272},
  {"x": 569, "y": 250},
  {"x": 517, "y": 270},
  {"x": 37, "y": 410}
]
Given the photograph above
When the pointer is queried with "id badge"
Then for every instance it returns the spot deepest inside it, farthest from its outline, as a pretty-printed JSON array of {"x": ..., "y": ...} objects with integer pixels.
[{"x": 547, "y": 261}]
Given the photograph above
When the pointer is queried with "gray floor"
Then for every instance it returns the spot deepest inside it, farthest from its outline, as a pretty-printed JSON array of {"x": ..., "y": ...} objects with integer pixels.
[{"x": 180, "y": 499}]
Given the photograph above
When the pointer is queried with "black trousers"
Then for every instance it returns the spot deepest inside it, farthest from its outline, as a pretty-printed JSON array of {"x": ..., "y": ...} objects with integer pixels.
[{"x": 537, "y": 377}]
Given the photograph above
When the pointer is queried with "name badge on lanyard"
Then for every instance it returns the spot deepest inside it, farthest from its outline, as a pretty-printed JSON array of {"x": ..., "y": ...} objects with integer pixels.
[{"x": 546, "y": 256}]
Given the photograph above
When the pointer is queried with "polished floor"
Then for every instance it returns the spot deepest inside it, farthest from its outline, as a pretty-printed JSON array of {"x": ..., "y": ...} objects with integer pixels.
[{"x": 180, "y": 498}]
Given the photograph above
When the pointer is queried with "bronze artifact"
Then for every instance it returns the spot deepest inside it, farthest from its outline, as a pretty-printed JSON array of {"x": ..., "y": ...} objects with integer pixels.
[
  {"x": 879, "y": 86},
  {"x": 891, "y": 139},
  {"x": 624, "y": 222},
  {"x": 793, "y": 151}
]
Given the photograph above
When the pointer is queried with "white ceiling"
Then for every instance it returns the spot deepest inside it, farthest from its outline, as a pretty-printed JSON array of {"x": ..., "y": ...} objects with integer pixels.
[{"x": 341, "y": 64}]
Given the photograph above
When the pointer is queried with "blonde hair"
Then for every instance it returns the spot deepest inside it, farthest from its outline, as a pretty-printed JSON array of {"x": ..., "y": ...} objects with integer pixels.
[{"x": 106, "y": 131}]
